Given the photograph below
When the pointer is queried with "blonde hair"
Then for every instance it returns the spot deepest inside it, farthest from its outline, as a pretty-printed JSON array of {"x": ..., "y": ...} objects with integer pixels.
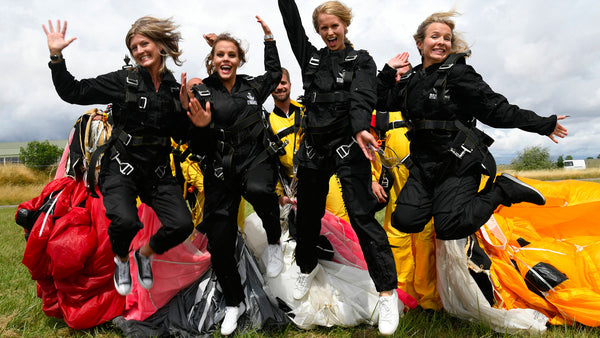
[
  {"x": 224, "y": 37},
  {"x": 336, "y": 8},
  {"x": 458, "y": 45},
  {"x": 163, "y": 32}
]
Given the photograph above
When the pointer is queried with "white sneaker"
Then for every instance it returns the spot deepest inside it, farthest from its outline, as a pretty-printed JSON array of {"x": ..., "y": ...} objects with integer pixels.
[
  {"x": 275, "y": 260},
  {"x": 389, "y": 314},
  {"x": 232, "y": 314},
  {"x": 303, "y": 283},
  {"x": 122, "y": 277}
]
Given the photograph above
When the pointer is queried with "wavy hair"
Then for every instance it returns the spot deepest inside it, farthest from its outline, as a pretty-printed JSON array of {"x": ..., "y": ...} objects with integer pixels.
[
  {"x": 163, "y": 32},
  {"x": 224, "y": 37},
  {"x": 458, "y": 45}
]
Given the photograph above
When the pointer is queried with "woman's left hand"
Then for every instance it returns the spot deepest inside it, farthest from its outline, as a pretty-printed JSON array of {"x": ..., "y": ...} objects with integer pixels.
[
  {"x": 364, "y": 138},
  {"x": 264, "y": 25},
  {"x": 379, "y": 192},
  {"x": 559, "y": 130}
]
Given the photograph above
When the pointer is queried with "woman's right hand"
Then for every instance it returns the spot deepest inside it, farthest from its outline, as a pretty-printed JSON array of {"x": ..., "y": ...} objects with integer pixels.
[
  {"x": 210, "y": 38},
  {"x": 199, "y": 116},
  {"x": 56, "y": 39}
]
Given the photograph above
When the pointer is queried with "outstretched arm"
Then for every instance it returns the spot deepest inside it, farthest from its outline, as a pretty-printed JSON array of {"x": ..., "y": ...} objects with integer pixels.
[
  {"x": 265, "y": 28},
  {"x": 56, "y": 39}
]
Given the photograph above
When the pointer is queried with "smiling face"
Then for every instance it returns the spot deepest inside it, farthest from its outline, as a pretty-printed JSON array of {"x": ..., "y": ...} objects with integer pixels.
[
  {"x": 435, "y": 48},
  {"x": 332, "y": 31},
  {"x": 282, "y": 92},
  {"x": 145, "y": 52},
  {"x": 225, "y": 61}
]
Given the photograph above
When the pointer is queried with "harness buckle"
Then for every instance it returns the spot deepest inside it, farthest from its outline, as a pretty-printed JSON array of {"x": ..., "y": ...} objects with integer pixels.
[
  {"x": 124, "y": 167},
  {"x": 143, "y": 102},
  {"x": 462, "y": 153},
  {"x": 313, "y": 61},
  {"x": 131, "y": 82},
  {"x": 160, "y": 171},
  {"x": 351, "y": 57},
  {"x": 126, "y": 143},
  {"x": 310, "y": 152},
  {"x": 219, "y": 172},
  {"x": 344, "y": 149}
]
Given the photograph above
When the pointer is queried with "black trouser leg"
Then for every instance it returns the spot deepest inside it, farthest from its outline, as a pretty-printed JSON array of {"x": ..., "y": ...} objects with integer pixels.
[
  {"x": 259, "y": 190},
  {"x": 220, "y": 226},
  {"x": 360, "y": 203},
  {"x": 119, "y": 194},
  {"x": 172, "y": 211},
  {"x": 313, "y": 186}
]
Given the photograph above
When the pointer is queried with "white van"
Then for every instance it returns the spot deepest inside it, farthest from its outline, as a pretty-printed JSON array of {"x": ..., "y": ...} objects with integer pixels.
[{"x": 574, "y": 164}]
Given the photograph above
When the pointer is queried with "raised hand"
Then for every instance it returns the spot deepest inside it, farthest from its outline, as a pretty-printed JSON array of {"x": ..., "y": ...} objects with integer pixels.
[
  {"x": 400, "y": 63},
  {"x": 264, "y": 25},
  {"x": 210, "y": 38},
  {"x": 199, "y": 116},
  {"x": 56, "y": 39}
]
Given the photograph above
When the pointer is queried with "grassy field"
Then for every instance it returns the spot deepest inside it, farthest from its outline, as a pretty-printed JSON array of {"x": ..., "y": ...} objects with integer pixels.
[{"x": 21, "y": 312}]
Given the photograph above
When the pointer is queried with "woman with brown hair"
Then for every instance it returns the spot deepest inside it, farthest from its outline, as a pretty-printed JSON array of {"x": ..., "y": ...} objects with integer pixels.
[{"x": 147, "y": 114}]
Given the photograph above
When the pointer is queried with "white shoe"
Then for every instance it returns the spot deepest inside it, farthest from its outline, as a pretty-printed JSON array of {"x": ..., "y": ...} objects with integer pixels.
[
  {"x": 388, "y": 314},
  {"x": 303, "y": 283},
  {"x": 275, "y": 260},
  {"x": 122, "y": 277},
  {"x": 232, "y": 314}
]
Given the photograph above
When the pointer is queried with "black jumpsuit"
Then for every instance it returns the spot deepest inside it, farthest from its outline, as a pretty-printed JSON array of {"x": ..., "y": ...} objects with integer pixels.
[
  {"x": 328, "y": 147},
  {"x": 441, "y": 185},
  {"x": 151, "y": 120},
  {"x": 243, "y": 165}
]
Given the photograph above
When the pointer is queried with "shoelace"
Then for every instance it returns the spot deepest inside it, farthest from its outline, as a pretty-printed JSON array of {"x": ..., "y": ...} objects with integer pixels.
[{"x": 123, "y": 272}]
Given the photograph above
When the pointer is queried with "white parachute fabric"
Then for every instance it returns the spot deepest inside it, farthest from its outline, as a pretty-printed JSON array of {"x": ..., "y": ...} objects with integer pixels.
[
  {"x": 462, "y": 297},
  {"x": 340, "y": 295}
]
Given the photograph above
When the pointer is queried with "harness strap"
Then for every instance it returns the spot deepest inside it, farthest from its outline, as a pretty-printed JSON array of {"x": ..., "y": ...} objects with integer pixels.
[
  {"x": 434, "y": 124},
  {"x": 397, "y": 124},
  {"x": 146, "y": 140},
  {"x": 337, "y": 125},
  {"x": 331, "y": 97}
]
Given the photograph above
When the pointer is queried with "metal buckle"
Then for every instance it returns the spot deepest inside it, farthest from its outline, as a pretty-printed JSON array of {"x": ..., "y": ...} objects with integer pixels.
[
  {"x": 462, "y": 153},
  {"x": 310, "y": 152},
  {"x": 133, "y": 82},
  {"x": 160, "y": 171},
  {"x": 351, "y": 57},
  {"x": 313, "y": 61},
  {"x": 143, "y": 102},
  {"x": 126, "y": 143},
  {"x": 219, "y": 172},
  {"x": 124, "y": 167},
  {"x": 448, "y": 66},
  {"x": 344, "y": 149},
  {"x": 385, "y": 182}
]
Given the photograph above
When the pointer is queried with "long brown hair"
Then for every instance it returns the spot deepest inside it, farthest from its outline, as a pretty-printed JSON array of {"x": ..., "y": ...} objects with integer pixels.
[
  {"x": 162, "y": 32},
  {"x": 224, "y": 37}
]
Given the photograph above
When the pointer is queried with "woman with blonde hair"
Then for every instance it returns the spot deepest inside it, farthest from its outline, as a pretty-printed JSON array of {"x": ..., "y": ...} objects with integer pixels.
[
  {"x": 147, "y": 114},
  {"x": 441, "y": 100},
  {"x": 339, "y": 84}
]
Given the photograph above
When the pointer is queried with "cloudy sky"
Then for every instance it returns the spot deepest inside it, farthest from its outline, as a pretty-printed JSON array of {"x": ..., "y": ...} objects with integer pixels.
[{"x": 542, "y": 55}]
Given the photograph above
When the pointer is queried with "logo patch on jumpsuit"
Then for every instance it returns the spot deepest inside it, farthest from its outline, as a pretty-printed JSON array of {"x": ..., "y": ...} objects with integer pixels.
[{"x": 251, "y": 100}]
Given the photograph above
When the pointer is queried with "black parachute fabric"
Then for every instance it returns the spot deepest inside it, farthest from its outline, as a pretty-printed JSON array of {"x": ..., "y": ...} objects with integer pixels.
[{"x": 199, "y": 309}]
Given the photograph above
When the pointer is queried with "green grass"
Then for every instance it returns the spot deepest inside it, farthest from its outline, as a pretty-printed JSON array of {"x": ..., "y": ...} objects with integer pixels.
[{"x": 21, "y": 312}]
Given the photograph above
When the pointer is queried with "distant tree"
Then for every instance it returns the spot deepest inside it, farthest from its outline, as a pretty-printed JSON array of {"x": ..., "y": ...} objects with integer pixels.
[
  {"x": 569, "y": 157},
  {"x": 39, "y": 155},
  {"x": 589, "y": 158},
  {"x": 560, "y": 163},
  {"x": 598, "y": 157},
  {"x": 532, "y": 158}
]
